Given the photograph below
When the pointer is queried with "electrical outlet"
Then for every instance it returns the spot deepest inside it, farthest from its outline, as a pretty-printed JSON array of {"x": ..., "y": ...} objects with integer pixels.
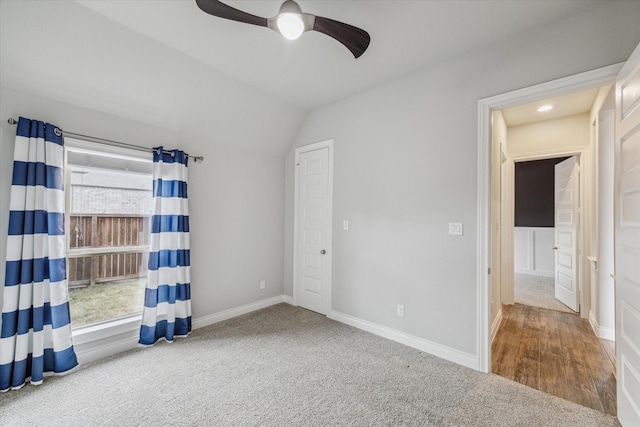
[
  {"x": 345, "y": 225},
  {"x": 400, "y": 310},
  {"x": 263, "y": 284}
]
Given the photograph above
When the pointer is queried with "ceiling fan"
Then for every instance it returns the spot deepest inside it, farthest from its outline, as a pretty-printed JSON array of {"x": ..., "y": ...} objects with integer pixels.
[{"x": 291, "y": 23}]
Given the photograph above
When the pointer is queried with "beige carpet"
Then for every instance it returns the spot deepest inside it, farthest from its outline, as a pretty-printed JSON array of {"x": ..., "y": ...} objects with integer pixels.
[
  {"x": 537, "y": 291},
  {"x": 285, "y": 366}
]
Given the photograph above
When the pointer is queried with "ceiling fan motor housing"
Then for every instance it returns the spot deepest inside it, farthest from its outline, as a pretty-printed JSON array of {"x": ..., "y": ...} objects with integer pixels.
[{"x": 290, "y": 6}]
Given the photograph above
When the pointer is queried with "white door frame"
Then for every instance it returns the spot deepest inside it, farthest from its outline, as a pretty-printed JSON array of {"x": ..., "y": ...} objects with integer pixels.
[
  {"x": 298, "y": 151},
  {"x": 571, "y": 84},
  {"x": 581, "y": 154}
]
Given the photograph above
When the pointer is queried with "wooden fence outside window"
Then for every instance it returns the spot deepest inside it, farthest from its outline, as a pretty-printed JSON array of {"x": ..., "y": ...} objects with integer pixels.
[{"x": 105, "y": 248}]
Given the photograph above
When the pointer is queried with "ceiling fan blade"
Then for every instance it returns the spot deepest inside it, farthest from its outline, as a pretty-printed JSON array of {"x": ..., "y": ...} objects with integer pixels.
[
  {"x": 221, "y": 10},
  {"x": 353, "y": 38}
]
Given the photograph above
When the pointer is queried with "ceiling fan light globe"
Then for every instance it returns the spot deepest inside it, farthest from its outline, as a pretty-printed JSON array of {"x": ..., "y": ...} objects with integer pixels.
[{"x": 290, "y": 25}]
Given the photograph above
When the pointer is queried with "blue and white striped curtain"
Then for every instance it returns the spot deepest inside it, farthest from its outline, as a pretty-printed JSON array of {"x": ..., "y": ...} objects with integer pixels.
[
  {"x": 35, "y": 337},
  {"x": 167, "y": 304}
]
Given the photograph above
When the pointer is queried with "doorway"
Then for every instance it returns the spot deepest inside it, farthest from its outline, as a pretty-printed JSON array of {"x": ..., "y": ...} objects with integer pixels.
[
  {"x": 488, "y": 300},
  {"x": 536, "y": 255},
  {"x": 544, "y": 348},
  {"x": 555, "y": 352}
]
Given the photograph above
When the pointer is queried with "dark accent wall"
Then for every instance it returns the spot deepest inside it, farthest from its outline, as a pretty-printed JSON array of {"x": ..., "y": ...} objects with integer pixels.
[{"x": 534, "y": 192}]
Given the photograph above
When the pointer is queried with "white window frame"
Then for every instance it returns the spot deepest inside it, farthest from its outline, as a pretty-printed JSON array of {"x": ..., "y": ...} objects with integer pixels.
[{"x": 106, "y": 338}]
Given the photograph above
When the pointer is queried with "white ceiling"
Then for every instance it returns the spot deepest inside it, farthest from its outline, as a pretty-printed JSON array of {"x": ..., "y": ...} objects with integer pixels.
[
  {"x": 315, "y": 70},
  {"x": 168, "y": 64},
  {"x": 566, "y": 105}
]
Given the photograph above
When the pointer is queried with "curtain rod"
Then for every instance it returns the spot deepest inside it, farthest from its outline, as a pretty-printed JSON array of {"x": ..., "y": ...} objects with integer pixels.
[{"x": 196, "y": 159}]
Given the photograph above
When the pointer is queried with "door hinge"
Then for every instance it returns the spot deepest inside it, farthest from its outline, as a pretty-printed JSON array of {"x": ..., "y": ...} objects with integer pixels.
[{"x": 489, "y": 271}]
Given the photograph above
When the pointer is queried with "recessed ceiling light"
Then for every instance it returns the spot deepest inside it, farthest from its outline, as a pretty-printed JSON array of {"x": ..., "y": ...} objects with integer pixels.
[{"x": 545, "y": 108}]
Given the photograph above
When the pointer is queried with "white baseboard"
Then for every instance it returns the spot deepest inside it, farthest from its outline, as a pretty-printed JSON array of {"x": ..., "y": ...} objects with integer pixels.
[
  {"x": 496, "y": 324},
  {"x": 601, "y": 331},
  {"x": 91, "y": 351},
  {"x": 439, "y": 350},
  {"x": 201, "y": 322}
]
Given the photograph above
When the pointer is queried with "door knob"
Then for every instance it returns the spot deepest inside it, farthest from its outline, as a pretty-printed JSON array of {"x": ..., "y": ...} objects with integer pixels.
[
  {"x": 322, "y": 252},
  {"x": 555, "y": 248}
]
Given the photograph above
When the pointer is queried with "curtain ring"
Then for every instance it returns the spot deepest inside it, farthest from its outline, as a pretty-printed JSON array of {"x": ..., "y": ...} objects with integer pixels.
[
  {"x": 157, "y": 150},
  {"x": 57, "y": 131}
]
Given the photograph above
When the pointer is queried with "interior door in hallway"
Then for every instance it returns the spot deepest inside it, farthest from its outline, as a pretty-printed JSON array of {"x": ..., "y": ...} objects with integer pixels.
[
  {"x": 313, "y": 229},
  {"x": 627, "y": 240},
  {"x": 566, "y": 232}
]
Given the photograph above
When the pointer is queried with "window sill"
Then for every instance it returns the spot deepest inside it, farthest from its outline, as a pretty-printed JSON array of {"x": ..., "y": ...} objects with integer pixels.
[{"x": 93, "y": 333}]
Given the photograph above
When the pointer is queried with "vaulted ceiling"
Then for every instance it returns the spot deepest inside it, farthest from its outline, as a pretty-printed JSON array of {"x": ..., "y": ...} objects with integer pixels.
[{"x": 168, "y": 64}]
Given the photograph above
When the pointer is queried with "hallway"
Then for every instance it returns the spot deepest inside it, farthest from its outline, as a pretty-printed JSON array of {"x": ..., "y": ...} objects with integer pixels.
[
  {"x": 557, "y": 353},
  {"x": 537, "y": 291}
]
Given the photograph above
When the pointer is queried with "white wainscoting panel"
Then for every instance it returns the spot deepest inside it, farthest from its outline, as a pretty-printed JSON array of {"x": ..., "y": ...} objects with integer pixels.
[{"x": 533, "y": 251}]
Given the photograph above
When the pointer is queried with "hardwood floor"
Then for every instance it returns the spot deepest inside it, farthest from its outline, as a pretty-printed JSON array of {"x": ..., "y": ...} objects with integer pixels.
[{"x": 557, "y": 353}]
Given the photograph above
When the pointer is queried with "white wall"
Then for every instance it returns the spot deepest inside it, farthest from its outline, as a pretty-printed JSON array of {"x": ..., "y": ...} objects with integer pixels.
[
  {"x": 405, "y": 165},
  {"x": 533, "y": 253},
  {"x": 236, "y": 201},
  {"x": 563, "y": 134}
]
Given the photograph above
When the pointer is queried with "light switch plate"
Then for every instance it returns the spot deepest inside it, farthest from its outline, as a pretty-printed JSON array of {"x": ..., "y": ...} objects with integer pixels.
[
  {"x": 455, "y": 229},
  {"x": 345, "y": 225}
]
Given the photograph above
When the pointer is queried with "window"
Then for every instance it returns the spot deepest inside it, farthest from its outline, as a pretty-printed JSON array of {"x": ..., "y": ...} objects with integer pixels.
[{"x": 108, "y": 210}]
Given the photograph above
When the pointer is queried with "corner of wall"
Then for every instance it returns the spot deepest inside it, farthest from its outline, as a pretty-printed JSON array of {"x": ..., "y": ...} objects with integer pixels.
[{"x": 601, "y": 331}]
